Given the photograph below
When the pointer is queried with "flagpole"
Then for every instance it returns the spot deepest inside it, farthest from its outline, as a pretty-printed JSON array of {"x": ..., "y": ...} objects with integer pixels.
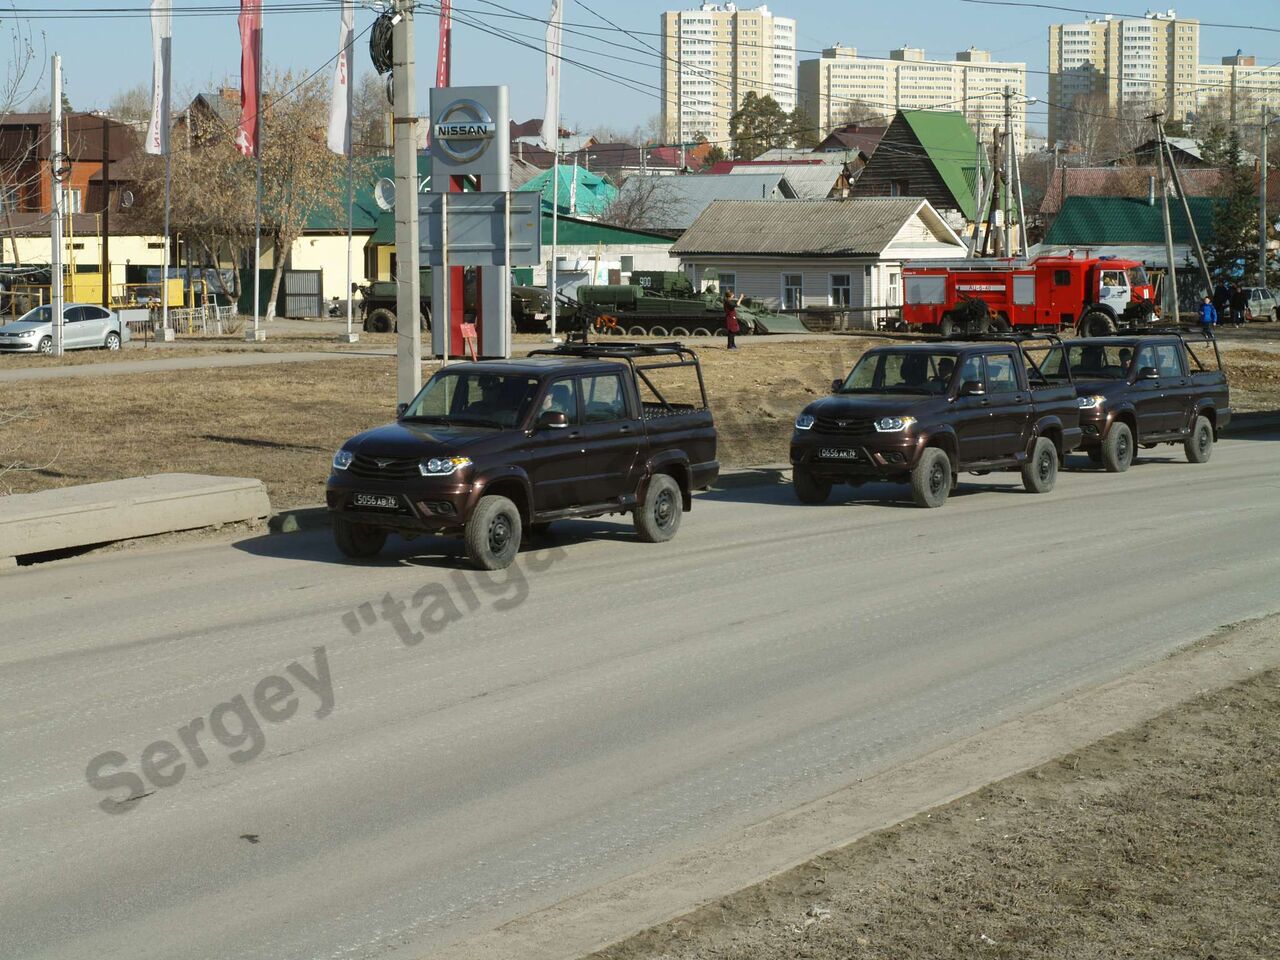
[
  {"x": 164, "y": 258},
  {"x": 555, "y": 220},
  {"x": 257, "y": 205},
  {"x": 351, "y": 190}
]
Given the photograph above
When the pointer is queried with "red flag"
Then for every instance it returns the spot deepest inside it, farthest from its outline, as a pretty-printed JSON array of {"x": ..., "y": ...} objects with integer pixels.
[
  {"x": 250, "y": 76},
  {"x": 446, "y": 43}
]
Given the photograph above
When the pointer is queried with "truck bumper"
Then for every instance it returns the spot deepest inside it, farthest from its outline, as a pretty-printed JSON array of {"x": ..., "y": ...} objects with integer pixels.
[
  {"x": 856, "y": 460},
  {"x": 439, "y": 505}
]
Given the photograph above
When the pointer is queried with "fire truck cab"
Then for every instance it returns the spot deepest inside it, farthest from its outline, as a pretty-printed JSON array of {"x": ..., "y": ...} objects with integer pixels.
[{"x": 1094, "y": 296}]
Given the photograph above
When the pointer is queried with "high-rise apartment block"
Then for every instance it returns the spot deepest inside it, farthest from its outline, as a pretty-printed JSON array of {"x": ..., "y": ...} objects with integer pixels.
[
  {"x": 1151, "y": 62},
  {"x": 972, "y": 84},
  {"x": 1241, "y": 85},
  {"x": 713, "y": 57}
]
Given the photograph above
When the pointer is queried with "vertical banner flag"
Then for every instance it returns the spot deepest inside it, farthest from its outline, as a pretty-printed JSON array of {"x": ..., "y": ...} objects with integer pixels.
[
  {"x": 551, "y": 115},
  {"x": 446, "y": 44},
  {"x": 340, "y": 105},
  {"x": 250, "y": 76},
  {"x": 161, "y": 38}
]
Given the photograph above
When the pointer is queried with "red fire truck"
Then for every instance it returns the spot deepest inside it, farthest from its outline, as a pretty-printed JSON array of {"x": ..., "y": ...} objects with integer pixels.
[{"x": 1093, "y": 295}]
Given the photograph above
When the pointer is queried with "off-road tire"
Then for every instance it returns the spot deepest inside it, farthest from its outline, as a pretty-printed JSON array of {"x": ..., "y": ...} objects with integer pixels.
[
  {"x": 999, "y": 324},
  {"x": 808, "y": 488},
  {"x": 931, "y": 478},
  {"x": 1117, "y": 448},
  {"x": 492, "y": 533},
  {"x": 1095, "y": 323},
  {"x": 358, "y": 541},
  {"x": 658, "y": 518},
  {"x": 1041, "y": 472},
  {"x": 112, "y": 342},
  {"x": 1199, "y": 446},
  {"x": 380, "y": 320},
  {"x": 947, "y": 327}
]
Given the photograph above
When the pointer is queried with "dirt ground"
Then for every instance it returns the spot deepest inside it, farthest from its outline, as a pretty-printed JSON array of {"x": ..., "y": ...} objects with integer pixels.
[
  {"x": 281, "y": 423},
  {"x": 1163, "y": 841}
]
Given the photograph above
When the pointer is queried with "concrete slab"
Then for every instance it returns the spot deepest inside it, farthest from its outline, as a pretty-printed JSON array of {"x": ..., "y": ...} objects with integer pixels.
[{"x": 122, "y": 509}]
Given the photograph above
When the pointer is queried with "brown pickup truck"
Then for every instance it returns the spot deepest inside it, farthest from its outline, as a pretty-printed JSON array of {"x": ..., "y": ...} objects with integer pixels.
[
  {"x": 491, "y": 449},
  {"x": 1140, "y": 391},
  {"x": 923, "y": 413}
]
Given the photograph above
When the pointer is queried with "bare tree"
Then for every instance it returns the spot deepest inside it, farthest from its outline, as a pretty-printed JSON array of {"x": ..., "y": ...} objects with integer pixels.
[
  {"x": 370, "y": 110},
  {"x": 19, "y": 83},
  {"x": 865, "y": 112},
  {"x": 644, "y": 203},
  {"x": 131, "y": 106}
]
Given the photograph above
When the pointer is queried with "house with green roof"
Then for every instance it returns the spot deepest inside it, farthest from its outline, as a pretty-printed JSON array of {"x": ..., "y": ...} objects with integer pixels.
[
  {"x": 581, "y": 193},
  {"x": 931, "y": 154},
  {"x": 1129, "y": 227}
]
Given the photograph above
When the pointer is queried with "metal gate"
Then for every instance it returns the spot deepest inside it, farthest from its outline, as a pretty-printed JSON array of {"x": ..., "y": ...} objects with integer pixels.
[{"x": 303, "y": 294}]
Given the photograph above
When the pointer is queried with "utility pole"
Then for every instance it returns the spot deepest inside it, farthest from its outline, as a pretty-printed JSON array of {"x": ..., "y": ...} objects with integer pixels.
[
  {"x": 1006, "y": 243},
  {"x": 106, "y": 212},
  {"x": 408, "y": 280},
  {"x": 55, "y": 220},
  {"x": 1262, "y": 202},
  {"x": 1171, "y": 293}
]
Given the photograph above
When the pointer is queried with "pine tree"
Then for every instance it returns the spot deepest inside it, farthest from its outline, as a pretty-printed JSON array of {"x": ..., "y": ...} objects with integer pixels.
[
  {"x": 760, "y": 124},
  {"x": 1235, "y": 215}
]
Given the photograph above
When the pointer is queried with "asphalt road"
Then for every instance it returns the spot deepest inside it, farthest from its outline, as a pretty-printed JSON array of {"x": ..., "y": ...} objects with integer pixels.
[{"x": 574, "y": 723}]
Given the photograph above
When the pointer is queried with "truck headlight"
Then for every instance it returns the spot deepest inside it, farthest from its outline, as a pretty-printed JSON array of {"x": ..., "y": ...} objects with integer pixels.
[
  {"x": 1090, "y": 403},
  {"x": 804, "y": 421},
  {"x": 442, "y": 466},
  {"x": 893, "y": 424},
  {"x": 342, "y": 459}
]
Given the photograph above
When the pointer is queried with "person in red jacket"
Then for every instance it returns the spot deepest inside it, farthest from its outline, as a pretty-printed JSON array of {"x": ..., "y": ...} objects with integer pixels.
[{"x": 731, "y": 327}]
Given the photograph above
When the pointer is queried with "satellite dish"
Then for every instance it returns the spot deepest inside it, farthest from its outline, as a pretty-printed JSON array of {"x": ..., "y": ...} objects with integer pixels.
[
  {"x": 126, "y": 199},
  {"x": 384, "y": 194}
]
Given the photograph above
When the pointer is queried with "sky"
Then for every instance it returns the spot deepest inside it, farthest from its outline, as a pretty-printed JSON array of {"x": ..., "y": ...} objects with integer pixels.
[{"x": 104, "y": 53}]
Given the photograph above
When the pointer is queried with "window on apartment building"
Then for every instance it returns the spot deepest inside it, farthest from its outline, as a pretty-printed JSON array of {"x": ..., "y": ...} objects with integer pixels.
[
  {"x": 841, "y": 294},
  {"x": 792, "y": 291}
]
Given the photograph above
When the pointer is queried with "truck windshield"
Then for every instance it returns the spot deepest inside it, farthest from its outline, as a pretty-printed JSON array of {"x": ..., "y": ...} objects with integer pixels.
[
  {"x": 1093, "y": 361},
  {"x": 1138, "y": 276},
  {"x": 474, "y": 398},
  {"x": 901, "y": 371}
]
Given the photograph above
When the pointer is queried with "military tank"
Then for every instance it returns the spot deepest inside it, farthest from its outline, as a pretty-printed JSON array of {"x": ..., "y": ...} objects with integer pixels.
[{"x": 665, "y": 304}]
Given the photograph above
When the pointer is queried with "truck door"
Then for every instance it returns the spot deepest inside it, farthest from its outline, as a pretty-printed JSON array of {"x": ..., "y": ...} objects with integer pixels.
[
  {"x": 1160, "y": 401},
  {"x": 557, "y": 461},
  {"x": 1009, "y": 406},
  {"x": 972, "y": 416},
  {"x": 1113, "y": 289},
  {"x": 1177, "y": 400},
  {"x": 611, "y": 433}
]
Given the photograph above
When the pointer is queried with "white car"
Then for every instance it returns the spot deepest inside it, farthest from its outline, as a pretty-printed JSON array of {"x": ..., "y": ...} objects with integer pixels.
[
  {"x": 1260, "y": 305},
  {"x": 84, "y": 325}
]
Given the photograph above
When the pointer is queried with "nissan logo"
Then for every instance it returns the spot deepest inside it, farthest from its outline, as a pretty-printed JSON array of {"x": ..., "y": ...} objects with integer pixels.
[{"x": 463, "y": 131}]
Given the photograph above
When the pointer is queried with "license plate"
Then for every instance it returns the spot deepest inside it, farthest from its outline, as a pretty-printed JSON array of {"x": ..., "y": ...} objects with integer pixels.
[
  {"x": 837, "y": 453},
  {"x": 378, "y": 500}
]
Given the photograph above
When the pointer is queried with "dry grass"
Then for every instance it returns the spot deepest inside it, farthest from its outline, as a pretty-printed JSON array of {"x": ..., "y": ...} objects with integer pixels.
[
  {"x": 1159, "y": 842},
  {"x": 281, "y": 423}
]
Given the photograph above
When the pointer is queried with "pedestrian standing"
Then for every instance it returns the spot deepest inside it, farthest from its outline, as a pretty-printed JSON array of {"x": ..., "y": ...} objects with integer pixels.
[
  {"x": 1239, "y": 300},
  {"x": 1222, "y": 297},
  {"x": 1208, "y": 317},
  {"x": 731, "y": 327}
]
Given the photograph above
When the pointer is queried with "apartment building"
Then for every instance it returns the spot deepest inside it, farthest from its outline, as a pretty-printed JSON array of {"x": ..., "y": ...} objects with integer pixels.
[
  {"x": 1151, "y": 62},
  {"x": 972, "y": 83},
  {"x": 1243, "y": 85},
  {"x": 713, "y": 57}
]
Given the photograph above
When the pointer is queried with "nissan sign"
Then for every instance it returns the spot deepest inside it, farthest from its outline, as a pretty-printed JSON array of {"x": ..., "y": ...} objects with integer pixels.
[{"x": 463, "y": 131}]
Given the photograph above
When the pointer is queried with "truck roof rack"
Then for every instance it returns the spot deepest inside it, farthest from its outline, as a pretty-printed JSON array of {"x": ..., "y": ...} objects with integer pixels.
[
  {"x": 610, "y": 349},
  {"x": 1010, "y": 336}
]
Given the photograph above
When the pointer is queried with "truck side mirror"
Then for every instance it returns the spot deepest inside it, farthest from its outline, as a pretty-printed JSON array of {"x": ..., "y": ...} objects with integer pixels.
[
  {"x": 1148, "y": 373},
  {"x": 836, "y": 385},
  {"x": 972, "y": 388},
  {"x": 400, "y": 409},
  {"x": 552, "y": 420}
]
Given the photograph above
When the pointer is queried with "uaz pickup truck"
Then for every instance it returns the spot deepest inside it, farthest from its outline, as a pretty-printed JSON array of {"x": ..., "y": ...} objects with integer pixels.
[
  {"x": 921, "y": 413},
  {"x": 1143, "y": 391},
  {"x": 490, "y": 449}
]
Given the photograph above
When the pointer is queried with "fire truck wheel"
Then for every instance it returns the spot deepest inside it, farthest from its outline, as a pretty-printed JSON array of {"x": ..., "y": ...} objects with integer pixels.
[
  {"x": 947, "y": 327},
  {"x": 381, "y": 320},
  {"x": 1097, "y": 324},
  {"x": 999, "y": 325}
]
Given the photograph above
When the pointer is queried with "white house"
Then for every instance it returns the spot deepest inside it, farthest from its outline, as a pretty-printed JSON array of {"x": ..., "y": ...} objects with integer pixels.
[{"x": 805, "y": 254}]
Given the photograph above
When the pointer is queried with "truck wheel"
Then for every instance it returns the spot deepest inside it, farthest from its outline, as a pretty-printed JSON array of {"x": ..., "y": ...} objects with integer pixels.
[
  {"x": 999, "y": 324},
  {"x": 808, "y": 488},
  {"x": 658, "y": 518},
  {"x": 947, "y": 327},
  {"x": 1199, "y": 446},
  {"x": 492, "y": 533},
  {"x": 358, "y": 541},
  {"x": 380, "y": 320},
  {"x": 1041, "y": 472},
  {"x": 1095, "y": 323},
  {"x": 931, "y": 478},
  {"x": 424, "y": 320},
  {"x": 1117, "y": 449}
]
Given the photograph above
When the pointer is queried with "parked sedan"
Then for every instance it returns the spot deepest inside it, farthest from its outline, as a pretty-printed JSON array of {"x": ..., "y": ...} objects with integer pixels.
[
  {"x": 85, "y": 325},
  {"x": 1260, "y": 305}
]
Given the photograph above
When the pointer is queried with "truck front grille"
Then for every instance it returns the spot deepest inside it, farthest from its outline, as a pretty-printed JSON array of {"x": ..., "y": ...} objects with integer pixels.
[
  {"x": 383, "y": 468},
  {"x": 843, "y": 426}
]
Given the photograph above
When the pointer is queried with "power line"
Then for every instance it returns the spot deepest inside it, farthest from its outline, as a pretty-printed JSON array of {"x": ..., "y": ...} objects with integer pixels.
[{"x": 1112, "y": 13}]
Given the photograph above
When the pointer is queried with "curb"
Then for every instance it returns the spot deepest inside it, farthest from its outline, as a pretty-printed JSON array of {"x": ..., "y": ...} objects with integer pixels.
[{"x": 1258, "y": 422}]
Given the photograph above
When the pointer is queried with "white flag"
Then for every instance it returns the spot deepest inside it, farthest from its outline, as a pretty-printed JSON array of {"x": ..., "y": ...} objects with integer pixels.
[
  {"x": 161, "y": 38},
  {"x": 551, "y": 116},
  {"x": 340, "y": 106}
]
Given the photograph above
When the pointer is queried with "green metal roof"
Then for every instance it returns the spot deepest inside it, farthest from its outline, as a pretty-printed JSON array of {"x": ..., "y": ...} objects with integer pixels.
[
  {"x": 1089, "y": 221},
  {"x": 582, "y": 233},
  {"x": 952, "y": 148},
  {"x": 592, "y": 197},
  {"x": 365, "y": 213}
]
